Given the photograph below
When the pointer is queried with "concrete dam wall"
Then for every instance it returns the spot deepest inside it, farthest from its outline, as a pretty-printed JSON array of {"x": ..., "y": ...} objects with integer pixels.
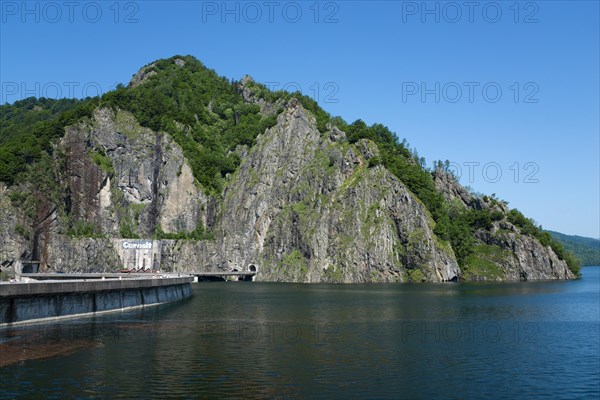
[{"x": 49, "y": 300}]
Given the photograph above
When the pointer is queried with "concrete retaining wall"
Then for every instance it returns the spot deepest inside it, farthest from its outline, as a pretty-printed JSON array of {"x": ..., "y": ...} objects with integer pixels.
[{"x": 39, "y": 301}]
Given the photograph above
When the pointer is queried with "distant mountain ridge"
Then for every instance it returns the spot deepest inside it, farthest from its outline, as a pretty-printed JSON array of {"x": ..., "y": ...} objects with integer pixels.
[{"x": 586, "y": 249}]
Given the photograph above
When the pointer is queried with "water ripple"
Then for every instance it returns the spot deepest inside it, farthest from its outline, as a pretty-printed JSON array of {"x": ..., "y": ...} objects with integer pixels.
[{"x": 322, "y": 341}]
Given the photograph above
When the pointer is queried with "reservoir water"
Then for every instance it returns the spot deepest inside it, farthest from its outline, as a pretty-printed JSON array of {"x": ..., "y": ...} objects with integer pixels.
[{"x": 274, "y": 340}]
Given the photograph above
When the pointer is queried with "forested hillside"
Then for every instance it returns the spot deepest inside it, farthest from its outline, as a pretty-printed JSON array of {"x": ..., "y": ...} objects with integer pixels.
[
  {"x": 587, "y": 250},
  {"x": 216, "y": 123}
]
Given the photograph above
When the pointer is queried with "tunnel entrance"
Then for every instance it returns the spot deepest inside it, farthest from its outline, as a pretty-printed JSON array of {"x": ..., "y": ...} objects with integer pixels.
[
  {"x": 30, "y": 267},
  {"x": 211, "y": 279}
]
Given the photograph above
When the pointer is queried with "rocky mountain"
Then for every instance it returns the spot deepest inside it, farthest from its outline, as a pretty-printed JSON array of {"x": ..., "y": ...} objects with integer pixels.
[{"x": 226, "y": 174}]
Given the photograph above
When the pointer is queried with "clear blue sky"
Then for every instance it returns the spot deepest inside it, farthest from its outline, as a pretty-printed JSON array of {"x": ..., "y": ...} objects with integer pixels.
[{"x": 430, "y": 71}]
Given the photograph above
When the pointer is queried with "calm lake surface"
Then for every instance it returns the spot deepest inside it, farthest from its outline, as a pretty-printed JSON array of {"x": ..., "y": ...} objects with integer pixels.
[{"x": 267, "y": 340}]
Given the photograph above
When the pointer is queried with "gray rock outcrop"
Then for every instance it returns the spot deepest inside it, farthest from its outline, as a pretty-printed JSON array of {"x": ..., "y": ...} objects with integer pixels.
[
  {"x": 525, "y": 257},
  {"x": 146, "y": 182},
  {"x": 14, "y": 248},
  {"x": 310, "y": 210},
  {"x": 518, "y": 256}
]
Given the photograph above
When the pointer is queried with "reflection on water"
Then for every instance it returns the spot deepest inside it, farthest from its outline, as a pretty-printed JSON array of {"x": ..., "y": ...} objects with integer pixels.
[{"x": 256, "y": 340}]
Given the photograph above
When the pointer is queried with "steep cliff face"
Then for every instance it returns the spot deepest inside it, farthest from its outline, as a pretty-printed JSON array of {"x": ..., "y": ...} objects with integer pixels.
[
  {"x": 524, "y": 257},
  {"x": 87, "y": 185},
  {"x": 112, "y": 178},
  {"x": 14, "y": 248},
  {"x": 142, "y": 180},
  {"x": 308, "y": 208}
]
